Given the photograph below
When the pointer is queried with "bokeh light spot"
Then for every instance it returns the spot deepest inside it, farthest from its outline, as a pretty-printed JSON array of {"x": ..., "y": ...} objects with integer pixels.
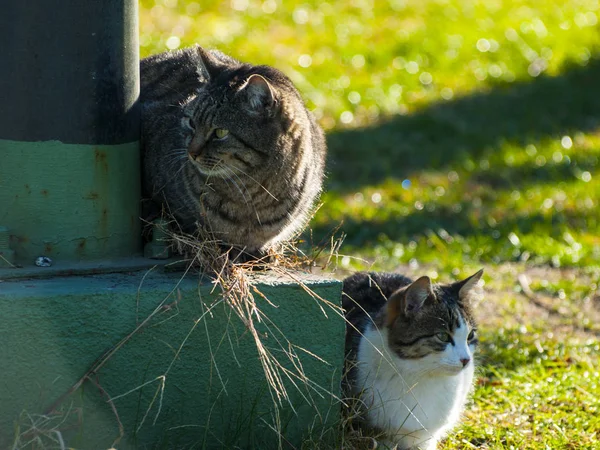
[
  {"x": 305, "y": 60},
  {"x": 566, "y": 142},
  {"x": 173, "y": 42}
]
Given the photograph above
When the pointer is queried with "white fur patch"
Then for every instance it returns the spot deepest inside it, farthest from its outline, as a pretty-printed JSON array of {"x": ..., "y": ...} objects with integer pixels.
[{"x": 416, "y": 401}]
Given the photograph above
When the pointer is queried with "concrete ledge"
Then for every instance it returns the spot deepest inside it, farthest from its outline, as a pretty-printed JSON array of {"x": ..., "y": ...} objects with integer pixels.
[{"x": 191, "y": 376}]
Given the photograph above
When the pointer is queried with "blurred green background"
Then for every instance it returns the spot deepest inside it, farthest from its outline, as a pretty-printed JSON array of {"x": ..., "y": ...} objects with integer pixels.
[
  {"x": 468, "y": 128},
  {"x": 461, "y": 134}
]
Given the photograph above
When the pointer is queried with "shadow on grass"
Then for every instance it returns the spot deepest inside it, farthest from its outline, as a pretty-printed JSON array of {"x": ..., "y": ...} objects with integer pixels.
[
  {"x": 464, "y": 219},
  {"x": 510, "y": 178},
  {"x": 453, "y": 132}
]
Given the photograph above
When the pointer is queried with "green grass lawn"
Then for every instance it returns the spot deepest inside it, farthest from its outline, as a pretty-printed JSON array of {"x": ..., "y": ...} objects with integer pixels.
[{"x": 462, "y": 133}]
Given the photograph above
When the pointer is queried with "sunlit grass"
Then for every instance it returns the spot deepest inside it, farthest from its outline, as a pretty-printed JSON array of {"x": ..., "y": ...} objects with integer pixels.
[
  {"x": 396, "y": 55},
  {"x": 534, "y": 392},
  {"x": 359, "y": 63},
  {"x": 461, "y": 133}
]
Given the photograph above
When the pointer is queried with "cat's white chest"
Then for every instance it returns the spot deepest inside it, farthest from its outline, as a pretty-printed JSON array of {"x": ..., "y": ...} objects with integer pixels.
[{"x": 411, "y": 400}]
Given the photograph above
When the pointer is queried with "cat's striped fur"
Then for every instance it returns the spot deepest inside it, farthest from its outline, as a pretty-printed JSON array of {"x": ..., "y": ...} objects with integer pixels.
[
  {"x": 229, "y": 147},
  {"x": 409, "y": 354}
]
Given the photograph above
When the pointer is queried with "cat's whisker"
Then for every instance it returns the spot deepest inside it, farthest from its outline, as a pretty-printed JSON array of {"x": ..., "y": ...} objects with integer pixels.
[
  {"x": 240, "y": 190},
  {"x": 174, "y": 161},
  {"x": 183, "y": 149},
  {"x": 232, "y": 172},
  {"x": 257, "y": 182},
  {"x": 215, "y": 164},
  {"x": 181, "y": 168},
  {"x": 176, "y": 151},
  {"x": 228, "y": 179},
  {"x": 178, "y": 155},
  {"x": 228, "y": 170}
]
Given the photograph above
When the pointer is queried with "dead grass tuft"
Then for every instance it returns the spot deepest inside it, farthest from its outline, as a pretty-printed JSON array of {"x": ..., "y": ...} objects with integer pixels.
[
  {"x": 45, "y": 431},
  {"x": 231, "y": 272},
  {"x": 232, "y": 276}
]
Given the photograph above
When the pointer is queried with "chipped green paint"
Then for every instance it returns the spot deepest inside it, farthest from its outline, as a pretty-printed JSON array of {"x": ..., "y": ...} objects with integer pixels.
[
  {"x": 70, "y": 202},
  {"x": 215, "y": 393}
]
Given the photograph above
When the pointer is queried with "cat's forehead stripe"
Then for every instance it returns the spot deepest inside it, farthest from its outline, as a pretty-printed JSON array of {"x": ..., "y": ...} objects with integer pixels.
[
  {"x": 202, "y": 112},
  {"x": 450, "y": 316}
]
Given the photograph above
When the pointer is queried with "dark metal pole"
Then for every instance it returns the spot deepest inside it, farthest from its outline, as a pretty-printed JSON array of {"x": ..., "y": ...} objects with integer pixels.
[
  {"x": 69, "y": 71},
  {"x": 69, "y": 128}
]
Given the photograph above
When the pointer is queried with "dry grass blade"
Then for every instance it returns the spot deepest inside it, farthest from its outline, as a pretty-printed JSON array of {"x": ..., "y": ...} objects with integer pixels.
[
  {"x": 114, "y": 410},
  {"x": 232, "y": 279},
  {"x": 37, "y": 431}
]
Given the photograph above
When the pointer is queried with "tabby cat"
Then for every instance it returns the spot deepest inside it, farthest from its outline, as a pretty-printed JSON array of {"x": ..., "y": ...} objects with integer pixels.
[
  {"x": 409, "y": 354},
  {"x": 229, "y": 147}
]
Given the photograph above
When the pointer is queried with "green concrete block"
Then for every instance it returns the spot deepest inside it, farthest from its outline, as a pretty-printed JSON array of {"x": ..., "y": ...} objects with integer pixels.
[
  {"x": 190, "y": 378},
  {"x": 70, "y": 202}
]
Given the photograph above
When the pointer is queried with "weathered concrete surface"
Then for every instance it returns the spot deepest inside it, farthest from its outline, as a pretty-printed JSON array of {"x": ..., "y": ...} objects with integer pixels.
[
  {"x": 70, "y": 202},
  {"x": 190, "y": 377}
]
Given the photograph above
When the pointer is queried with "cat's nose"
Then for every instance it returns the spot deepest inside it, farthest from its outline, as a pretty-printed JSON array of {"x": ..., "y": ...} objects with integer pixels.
[
  {"x": 194, "y": 150},
  {"x": 195, "y": 147},
  {"x": 465, "y": 361}
]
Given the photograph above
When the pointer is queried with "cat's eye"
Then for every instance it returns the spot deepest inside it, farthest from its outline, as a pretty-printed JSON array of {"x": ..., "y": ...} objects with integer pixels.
[
  {"x": 190, "y": 123},
  {"x": 443, "y": 336},
  {"x": 220, "y": 133},
  {"x": 471, "y": 335}
]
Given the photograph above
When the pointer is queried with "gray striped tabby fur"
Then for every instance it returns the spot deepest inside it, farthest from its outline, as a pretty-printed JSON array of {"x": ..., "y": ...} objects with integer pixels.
[{"x": 229, "y": 147}]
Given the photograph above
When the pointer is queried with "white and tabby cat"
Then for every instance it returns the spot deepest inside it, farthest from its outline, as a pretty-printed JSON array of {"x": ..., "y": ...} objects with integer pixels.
[{"x": 409, "y": 349}]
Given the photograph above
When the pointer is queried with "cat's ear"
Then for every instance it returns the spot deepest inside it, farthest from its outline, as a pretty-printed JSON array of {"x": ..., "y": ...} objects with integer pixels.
[
  {"x": 468, "y": 287},
  {"x": 208, "y": 64},
  {"x": 417, "y": 294},
  {"x": 409, "y": 300},
  {"x": 257, "y": 94}
]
